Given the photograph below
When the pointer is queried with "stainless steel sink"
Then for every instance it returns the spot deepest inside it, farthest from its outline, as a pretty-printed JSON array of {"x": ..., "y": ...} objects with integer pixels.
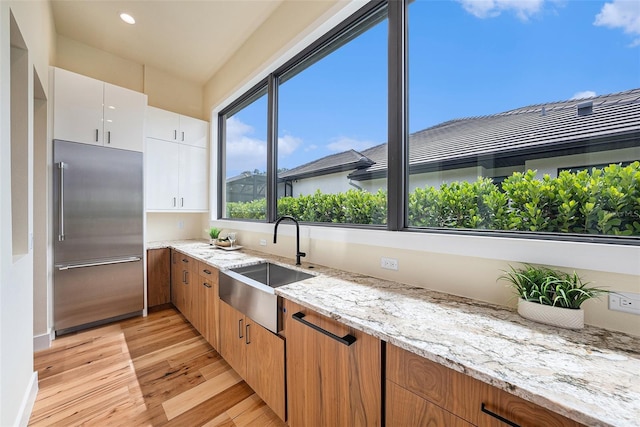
[
  {"x": 272, "y": 275},
  {"x": 250, "y": 290}
]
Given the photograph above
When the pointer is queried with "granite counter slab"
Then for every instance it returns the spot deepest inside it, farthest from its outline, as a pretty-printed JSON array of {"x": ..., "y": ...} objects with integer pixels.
[{"x": 597, "y": 385}]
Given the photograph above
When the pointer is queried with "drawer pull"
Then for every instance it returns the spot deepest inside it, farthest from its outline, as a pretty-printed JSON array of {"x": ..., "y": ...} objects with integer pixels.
[
  {"x": 207, "y": 271},
  {"x": 346, "y": 340},
  {"x": 494, "y": 415},
  {"x": 206, "y": 285}
]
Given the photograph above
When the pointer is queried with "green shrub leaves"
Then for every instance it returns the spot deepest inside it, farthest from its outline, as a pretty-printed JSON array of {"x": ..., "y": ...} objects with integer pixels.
[{"x": 601, "y": 201}]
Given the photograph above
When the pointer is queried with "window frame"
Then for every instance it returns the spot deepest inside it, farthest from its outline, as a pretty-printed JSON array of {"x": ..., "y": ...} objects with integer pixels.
[{"x": 397, "y": 142}]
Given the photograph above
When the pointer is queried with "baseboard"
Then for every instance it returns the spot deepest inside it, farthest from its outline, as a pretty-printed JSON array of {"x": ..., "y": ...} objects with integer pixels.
[
  {"x": 42, "y": 342},
  {"x": 28, "y": 400}
]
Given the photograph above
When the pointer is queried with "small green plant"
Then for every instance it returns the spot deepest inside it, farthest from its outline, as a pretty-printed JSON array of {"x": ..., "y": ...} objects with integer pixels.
[
  {"x": 546, "y": 286},
  {"x": 214, "y": 232}
]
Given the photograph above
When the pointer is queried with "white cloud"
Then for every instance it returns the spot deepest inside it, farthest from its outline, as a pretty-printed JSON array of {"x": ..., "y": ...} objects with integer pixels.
[
  {"x": 623, "y": 14},
  {"x": 311, "y": 147},
  {"x": 247, "y": 153},
  {"x": 584, "y": 94},
  {"x": 344, "y": 143},
  {"x": 244, "y": 153},
  {"x": 288, "y": 144},
  {"x": 523, "y": 9}
]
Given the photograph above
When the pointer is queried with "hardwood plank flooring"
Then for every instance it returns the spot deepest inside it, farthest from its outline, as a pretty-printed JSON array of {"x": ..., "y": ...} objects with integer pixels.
[{"x": 153, "y": 371}]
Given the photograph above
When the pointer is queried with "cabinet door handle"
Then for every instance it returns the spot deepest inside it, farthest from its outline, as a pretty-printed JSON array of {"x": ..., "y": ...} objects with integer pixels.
[
  {"x": 247, "y": 340},
  {"x": 240, "y": 329},
  {"x": 182, "y": 202},
  {"x": 109, "y": 137},
  {"x": 184, "y": 277},
  {"x": 346, "y": 340},
  {"x": 499, "y": 417},
  {"x": 206, "y": 285},
  {"x": 175, "y": 134},
  {"x": 96, "y": 135},
  {"x": 182, "y": 136}
]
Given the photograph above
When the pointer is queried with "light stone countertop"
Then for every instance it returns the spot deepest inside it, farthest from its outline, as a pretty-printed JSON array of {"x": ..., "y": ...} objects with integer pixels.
[{"x": 598, "y": 384}]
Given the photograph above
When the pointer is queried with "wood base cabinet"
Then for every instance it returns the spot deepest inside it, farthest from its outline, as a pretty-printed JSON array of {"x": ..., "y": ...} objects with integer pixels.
[
  {"x": 158, "y": 277},
  {"x": 256, "y": 354},
  {"x": 182, "y": 275},
  {"x": 446, "y": 397},
  {"x": 334, "y": 375},
  {"x": 206, "y": 303}
]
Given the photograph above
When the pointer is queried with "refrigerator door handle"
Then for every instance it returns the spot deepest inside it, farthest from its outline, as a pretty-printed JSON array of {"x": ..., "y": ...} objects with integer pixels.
[
  {"x": 95, "y": 264},
  {"x": 61, "y": 166}
]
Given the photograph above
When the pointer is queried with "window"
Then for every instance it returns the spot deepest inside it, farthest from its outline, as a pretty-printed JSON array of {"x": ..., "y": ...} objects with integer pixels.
[
  {"x": 332, "y": 115},
  {"x": 244, "y": 132},
  {"x": 500, "y": 107},
  {"x": 501, "y": 90}
]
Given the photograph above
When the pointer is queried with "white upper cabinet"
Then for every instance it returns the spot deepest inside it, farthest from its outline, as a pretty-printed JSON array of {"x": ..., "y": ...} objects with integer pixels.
[
  {"x": 193, "y": 178},
  {"x": 177, "y": 162},
  {"x": 175, "y": 127},
  {"x": 90, "y": 111},
  {"x": 123, "y": 118},
  {"x": 77, "y": 108},
  {"x": 161, "y": 174}
]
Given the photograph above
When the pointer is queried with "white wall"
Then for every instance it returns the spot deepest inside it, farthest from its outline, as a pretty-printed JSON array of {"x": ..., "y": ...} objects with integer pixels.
[{"x": 18, "y": 382}]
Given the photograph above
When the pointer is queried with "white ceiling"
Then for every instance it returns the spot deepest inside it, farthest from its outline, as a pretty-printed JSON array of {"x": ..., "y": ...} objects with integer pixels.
[{"x": 190, "y": 39}]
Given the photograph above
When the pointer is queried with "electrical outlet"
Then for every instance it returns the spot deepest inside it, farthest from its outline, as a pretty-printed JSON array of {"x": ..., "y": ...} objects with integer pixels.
[
  {"x": 389, "y": 263},
  {"x": 180, "y": 224},
  {"x": 627, "y": 302},
  {"x": 263, "y": 242}
]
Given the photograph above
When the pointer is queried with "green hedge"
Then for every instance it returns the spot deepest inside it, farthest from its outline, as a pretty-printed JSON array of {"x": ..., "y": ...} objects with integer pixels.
[{"x": 602, "y": 201}]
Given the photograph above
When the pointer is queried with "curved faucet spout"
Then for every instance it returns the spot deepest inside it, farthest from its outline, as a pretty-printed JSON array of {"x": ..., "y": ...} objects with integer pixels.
[{"x": 275, "y": 236}]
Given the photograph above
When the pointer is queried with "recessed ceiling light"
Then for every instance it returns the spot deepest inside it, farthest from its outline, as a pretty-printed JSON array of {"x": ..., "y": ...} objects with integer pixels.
[{"x": 127, "y": 18}]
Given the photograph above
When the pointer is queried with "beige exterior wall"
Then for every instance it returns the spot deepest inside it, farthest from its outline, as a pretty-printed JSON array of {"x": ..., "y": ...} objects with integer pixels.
[{"x": 18, "y": 381}]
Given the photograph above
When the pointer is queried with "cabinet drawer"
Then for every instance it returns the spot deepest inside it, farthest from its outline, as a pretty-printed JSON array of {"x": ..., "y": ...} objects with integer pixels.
[
  {"x": 207, "y": 272},
  {"x": 465, "y": 396},
  {"x": 514, "y": 409},
  {"x": 407, "y": 409}
]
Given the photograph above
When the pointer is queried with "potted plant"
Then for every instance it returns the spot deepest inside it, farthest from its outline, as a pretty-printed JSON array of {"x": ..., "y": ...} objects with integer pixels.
[
  {"x": 213, "y": 234},
  {"x": 550, "y": 296}
]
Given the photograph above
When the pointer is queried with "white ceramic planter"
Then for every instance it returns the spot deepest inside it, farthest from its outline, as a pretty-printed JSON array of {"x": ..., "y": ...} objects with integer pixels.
[{"x": 557, "y": 316}]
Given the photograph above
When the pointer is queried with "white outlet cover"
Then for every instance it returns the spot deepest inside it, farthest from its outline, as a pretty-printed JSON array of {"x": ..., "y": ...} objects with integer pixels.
[{"x": 627, "y": 302}]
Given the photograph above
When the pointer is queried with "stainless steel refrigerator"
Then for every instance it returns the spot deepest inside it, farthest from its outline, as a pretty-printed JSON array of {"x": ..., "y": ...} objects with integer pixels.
[{"x": 98, "y": 235}]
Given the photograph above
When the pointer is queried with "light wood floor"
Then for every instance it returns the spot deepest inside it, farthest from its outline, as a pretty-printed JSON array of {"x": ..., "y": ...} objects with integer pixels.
[{"x": 153, "y": 371}]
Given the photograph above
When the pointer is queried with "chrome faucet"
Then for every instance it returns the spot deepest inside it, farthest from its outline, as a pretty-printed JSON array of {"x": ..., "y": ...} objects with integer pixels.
[{"x": 275, "y": 236}]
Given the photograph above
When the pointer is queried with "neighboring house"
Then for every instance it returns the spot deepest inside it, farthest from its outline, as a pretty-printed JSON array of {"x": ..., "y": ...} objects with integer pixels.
[{"x": 546, "y": 137}]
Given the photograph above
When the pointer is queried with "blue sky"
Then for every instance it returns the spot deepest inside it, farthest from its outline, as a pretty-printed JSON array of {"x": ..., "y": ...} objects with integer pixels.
[{"x": 466, "y": 58}]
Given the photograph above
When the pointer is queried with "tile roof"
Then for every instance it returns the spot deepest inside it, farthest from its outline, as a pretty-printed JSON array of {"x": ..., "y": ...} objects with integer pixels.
[
  {"x": 535, "y": 131},
  {"x": 347, "y": 160}
]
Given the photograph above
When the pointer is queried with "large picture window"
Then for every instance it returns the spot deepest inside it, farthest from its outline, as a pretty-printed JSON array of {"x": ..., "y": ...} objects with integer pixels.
[
  {"x": 504, "y": 100},
  {"x": 511, "y": 118},
  {"x": 244, "y": 132},
  {"x": 332, "y": 112}
]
